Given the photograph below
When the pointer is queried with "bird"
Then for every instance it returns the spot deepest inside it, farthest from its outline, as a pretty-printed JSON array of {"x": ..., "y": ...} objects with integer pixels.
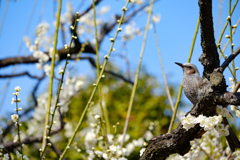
[{"x": 194, "y": 87}]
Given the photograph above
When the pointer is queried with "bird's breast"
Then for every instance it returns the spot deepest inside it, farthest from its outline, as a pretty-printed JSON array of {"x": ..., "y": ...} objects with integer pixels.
[{"x": 191, "y": 87}]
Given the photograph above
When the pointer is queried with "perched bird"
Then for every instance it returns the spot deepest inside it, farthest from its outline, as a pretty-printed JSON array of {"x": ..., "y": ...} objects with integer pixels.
[{"x": 194, "y": 86}]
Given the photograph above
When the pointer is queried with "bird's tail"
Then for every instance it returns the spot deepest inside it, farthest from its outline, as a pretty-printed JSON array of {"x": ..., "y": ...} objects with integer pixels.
[{"x": 232, "y": 139}]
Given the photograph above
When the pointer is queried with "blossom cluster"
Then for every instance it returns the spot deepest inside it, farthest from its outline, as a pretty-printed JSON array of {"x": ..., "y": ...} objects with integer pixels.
[
  {"x": 208, "y": 123},
  {"x": 94, "y": 148},
  {"x": 95, "y": 141},
  {"x": 42, "y": 41},
  {"x": 208, "y": 147}
]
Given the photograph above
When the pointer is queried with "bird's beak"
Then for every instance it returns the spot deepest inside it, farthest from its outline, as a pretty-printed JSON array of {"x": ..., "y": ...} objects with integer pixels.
[{"x": 180, "y": 64}]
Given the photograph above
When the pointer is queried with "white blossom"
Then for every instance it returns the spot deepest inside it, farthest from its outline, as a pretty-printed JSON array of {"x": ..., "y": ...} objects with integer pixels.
[
  {"x": 90, "y": 139},
  {"x": 120, "y": 138},
  {"x": 105, "y": 155},
  {"x": 113, "y": 148},
  {"x": 232, "y": 83},
  {"x": 68, "y": 130},
  {"x": 14, "y": 117},
  {"x": 103, "y": 10},
  {"x": 79, "y": 84},
  {"x": 47, "y": 69},
  {"x": 142, "y": 150},
  {"x": 37, "y": 54},
  {"x": 223, "y": 131},
  {"x": 110, "y": 138},
  {"x": 225, "y": 112},
  {"x": 6, "y": 157},
  {"x": 42, "y": 28},
  {"x": 97, "y": 117},
  {"x": 15, "y": 138},
  {"x": 188, "y": 122},
  {"x": 233, "y": 107},
  {"x": 32, "y": 48},
  {"x": 100, "y": 153},
  {"x": 39, "y": 65},
  {"x": 156, "y": 18},
  {"x": 238, "y": 113},
  {"x": 148, "y": 135},
  {"x": 12, "y": 101},
  {"x": 27, "y": 41},
  {"x": 138, "y": 143},
  {"x": 17, "y": 89},
  {"x": 131, "y": 31},
  {"x": 219, "y": 109},
  {"x": 130, "y": 148},
  {"x": 44, "y": 58}
]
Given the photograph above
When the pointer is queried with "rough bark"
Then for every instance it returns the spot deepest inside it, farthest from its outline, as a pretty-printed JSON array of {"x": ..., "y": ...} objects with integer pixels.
[{"x": 209, "y": 57}]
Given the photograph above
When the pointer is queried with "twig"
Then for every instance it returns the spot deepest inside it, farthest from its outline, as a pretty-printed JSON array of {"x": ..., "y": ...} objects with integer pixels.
[
  {"x": 88, "y": 9},
  {"x": 237, "y": 86},
  {"x": 230, "y": 58},
  {"x": 56, "y": 150},
  {"x": 231, "y": 39},
  {"x": 104, "y": 115},
  {"x": 221, "y": 35},
  {"x": 21, "y": 74},
  {"x": 97, "y": 82},
  {"x": 137, "y": 75},
  {"x": 10, "y": 146},
  {"x": 163, "y": 73},
  {"x": 47, "y": 118}
]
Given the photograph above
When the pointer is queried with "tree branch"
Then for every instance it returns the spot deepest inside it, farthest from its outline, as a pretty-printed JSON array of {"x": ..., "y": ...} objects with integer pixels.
[
  {"x": 10, "y": 146},
  {"x": 209, "y": 58},
  {"x": 178, "y": 141},
  {"x": 230, "y": 58},
  {"x": 22, "y": 74},
  {"x": 56, "y": 150},
  {"x": 92, "y": 62},
  {"x": 230, "y": 98},
  {"x": 30, "y": 59}
]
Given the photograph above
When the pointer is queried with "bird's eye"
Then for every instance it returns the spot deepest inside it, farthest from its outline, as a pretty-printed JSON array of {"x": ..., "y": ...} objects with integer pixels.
[{"x": 189, "y": 67}]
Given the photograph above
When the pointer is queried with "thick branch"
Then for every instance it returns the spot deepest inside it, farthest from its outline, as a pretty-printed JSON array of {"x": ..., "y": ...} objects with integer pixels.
[
  {"x": 178, "y": 141},
  {"x": 30, "y": 59},
  {"x": 230, "y": 98},
  {"x": 209, "y": 58},
  {"x": 230, "y": 58}
]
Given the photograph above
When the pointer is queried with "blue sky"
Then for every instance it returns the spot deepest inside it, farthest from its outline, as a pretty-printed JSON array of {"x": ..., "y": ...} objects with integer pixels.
[{"x": 175, "y": 33}]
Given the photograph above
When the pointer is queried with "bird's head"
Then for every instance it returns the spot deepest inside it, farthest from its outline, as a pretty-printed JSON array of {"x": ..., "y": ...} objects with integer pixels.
[{"x": 189, "y": 69}]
